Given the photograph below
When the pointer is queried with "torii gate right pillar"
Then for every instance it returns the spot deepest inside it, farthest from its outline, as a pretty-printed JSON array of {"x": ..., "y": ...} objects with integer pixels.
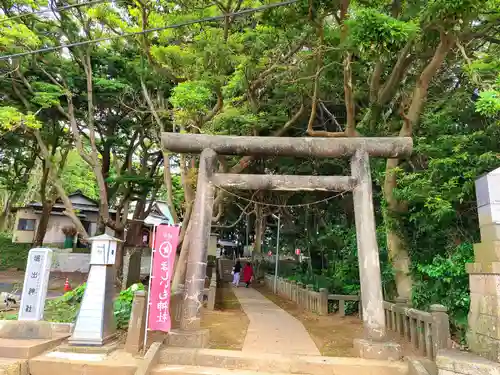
[{"x": 373, "y": 345}]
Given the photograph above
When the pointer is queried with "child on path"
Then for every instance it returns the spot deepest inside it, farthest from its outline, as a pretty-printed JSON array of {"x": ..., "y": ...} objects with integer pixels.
[
  {"x": 236, "y": 273},
  {"x": 247, "y": 274}
]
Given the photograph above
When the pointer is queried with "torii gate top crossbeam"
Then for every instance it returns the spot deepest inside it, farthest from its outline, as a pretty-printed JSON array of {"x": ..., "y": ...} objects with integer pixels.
[{"x": 388, "y": 147}]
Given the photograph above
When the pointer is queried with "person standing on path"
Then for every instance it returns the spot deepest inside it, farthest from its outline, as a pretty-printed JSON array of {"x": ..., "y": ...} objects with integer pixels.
[
  {"x": 247, "y": 274},
  {"x": 236, "y": 273}
]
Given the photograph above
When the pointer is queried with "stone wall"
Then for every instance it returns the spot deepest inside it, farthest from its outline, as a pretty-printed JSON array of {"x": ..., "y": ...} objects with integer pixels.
[
  {"x": 454, "y": 362},
  {"x": 70, "y": 262}
]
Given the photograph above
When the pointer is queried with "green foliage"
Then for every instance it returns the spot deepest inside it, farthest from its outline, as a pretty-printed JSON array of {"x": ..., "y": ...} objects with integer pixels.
[
  {"x": 373, "y": 32},
  {"x": 12, "y": 255},
  {"x": 446, "y": 282},
  {"x": 191, "y": 96},
  {"x": 11, "y": 118},
  {"x": 123, "y": 305},
  {"x": 450, "y": 13},
  {"x": 489, "y": 103},
  {"x": 46, "y": 95},
  {"x": 78, "y": 176}
]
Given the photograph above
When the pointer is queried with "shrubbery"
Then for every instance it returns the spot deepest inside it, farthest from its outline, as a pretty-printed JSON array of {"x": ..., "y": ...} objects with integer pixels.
[{"x": 65, "y": 308}]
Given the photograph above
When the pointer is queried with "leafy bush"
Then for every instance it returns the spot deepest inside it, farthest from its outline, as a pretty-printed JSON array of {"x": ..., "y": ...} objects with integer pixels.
[
  {"x": 123, "y": 305},
  {"x": 65, "y": 308},
  {"x": 446, "y": 282}
]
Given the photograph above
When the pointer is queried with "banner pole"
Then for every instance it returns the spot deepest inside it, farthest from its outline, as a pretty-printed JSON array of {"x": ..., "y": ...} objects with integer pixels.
[{"x": 149, "y": 288}]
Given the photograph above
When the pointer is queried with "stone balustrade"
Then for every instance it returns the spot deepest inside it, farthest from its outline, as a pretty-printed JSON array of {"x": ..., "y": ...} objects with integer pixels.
[
  {"x": 342, "y": 298},
  {"x": 302, "y": 295},
  {"x": 428, "y": 332}
]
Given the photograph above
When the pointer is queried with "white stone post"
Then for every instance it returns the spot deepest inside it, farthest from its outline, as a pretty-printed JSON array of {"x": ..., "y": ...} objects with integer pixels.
[{"x": 96, "y": 324}]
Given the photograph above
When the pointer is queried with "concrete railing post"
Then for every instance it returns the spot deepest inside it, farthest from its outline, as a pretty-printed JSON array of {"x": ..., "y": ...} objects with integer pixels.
[
  {"x": 341, "y": 307},
  {"x": 440, "y": 327},
  {"x": 300, "y": 294},
  {"x": 293, "y": 291},
  {"x": 137, "y": 323},
  {"x": 309, "y": 305},
  {"x": 323, "y": 301}
]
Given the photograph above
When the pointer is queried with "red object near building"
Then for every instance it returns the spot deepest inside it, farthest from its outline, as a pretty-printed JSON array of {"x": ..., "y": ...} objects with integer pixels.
[
  {"x": 297, "y": 251},
  {"x": 270, "y": 253},
  {"x": 67, "y": 287}
]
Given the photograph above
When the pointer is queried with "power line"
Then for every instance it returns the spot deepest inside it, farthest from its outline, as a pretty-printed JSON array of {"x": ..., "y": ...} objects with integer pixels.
[
  {"x": 59, "y": 9},
  {"x": 146, "y": 31}
]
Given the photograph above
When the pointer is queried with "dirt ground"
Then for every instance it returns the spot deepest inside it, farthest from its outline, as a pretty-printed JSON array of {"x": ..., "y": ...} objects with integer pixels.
[
  {"x": 333, "y": 335},
  {"x": 227, "y": 323}
]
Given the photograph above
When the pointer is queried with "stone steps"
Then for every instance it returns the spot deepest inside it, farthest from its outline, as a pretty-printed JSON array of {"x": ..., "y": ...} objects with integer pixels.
[
  {"x": 199, "y": 370},
  {"x": 68, "y": 363},
  {"x": 273, "y": 363},
  {"x": 10, "y": 366}
]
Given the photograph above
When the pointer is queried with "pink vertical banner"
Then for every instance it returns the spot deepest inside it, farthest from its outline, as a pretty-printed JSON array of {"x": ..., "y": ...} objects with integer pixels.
[{"x": 164, "y": 249}]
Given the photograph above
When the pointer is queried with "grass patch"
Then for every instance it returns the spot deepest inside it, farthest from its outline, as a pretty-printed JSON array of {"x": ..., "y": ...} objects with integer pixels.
[{"x": 228, "y": 323}]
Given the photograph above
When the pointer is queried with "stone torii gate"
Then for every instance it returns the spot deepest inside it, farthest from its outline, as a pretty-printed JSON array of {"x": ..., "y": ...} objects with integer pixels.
[{"x": 358, "y": 149}]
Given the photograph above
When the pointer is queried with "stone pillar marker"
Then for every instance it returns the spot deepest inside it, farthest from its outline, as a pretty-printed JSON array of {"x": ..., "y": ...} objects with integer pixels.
[
  {"x": 137, "y": 323},
  {"x": 372, "y": 346},
  {"x": 484, "y": 275},
  {"x": 36, "y": 281},
  {"x": 95, "y": 325}
]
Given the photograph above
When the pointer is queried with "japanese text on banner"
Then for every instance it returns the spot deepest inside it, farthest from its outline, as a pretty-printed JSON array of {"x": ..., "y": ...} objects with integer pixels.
[{"x": 166, "y": 240}]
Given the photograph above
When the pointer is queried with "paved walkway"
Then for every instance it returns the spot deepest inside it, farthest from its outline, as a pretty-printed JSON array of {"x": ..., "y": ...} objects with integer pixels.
[{"x": 272, "y": 329}]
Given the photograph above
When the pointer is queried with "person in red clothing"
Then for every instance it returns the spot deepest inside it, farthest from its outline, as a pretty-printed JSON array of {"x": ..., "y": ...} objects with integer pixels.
[{"x": 247, "y": 274}]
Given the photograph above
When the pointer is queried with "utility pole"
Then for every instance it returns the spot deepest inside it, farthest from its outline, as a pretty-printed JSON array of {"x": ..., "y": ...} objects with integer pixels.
[{"x": 277, "y": 254}]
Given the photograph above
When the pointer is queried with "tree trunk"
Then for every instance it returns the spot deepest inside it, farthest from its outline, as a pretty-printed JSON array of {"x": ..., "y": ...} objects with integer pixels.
[
  {"x": 167, "y": 177},
  {"x": 134, "y": 232},
  {"x": 44, "y": 223},
  {"x": 181, "y": 266},
  {"x": 120, "y": 234},
  {"x": 259, "y": 229},
  {"x": 396, "y": 246},
  {"x": 4, "y": 216}
]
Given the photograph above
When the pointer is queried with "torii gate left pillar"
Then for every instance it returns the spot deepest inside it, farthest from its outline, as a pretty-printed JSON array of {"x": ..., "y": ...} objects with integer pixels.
[{"x": 374, "y": 345}]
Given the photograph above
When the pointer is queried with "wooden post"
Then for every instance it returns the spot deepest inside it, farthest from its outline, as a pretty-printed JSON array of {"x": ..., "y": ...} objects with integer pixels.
[
  {"x": 368, "y": 257},
  {"x": 200, "y": 234}
]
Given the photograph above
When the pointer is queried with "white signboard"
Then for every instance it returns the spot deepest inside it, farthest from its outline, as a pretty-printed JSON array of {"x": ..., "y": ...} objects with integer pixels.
[{"x": 36, "y": 281}]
